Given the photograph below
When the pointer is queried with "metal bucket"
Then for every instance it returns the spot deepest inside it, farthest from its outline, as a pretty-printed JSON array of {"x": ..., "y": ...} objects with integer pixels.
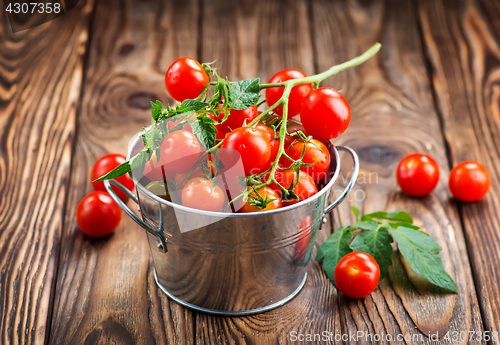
[{"x": 238, "y": 264}]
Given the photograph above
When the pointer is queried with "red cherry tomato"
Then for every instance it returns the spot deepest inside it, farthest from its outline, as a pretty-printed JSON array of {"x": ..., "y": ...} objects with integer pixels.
[
  {"x": 357, "y": 275},
  {"x": 275, "y": 144},
  {"x": 297, "y": 94},
  {"x": 97, "y": 214},
  {"x": 264, "y": 192},
  {"x": 305, "y": 188},
  {"x": 185, "y": 78},
  {"x": 253, "y": 146},
  {"x": 200, "y": 193},
  {"x": 236, "y": 118},
  {"x": 469, "y": 181},
  {"x": 325, "y": 113},
  {"x": 180, "y": 150},
  {"x": 417, "y": 174},
  {"x": 316, "y": 153},
  {"x": 104, "y": 165}
]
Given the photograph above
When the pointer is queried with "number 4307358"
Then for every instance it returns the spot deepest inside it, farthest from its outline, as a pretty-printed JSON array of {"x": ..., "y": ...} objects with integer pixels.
[{"x": 33, "y": 7}]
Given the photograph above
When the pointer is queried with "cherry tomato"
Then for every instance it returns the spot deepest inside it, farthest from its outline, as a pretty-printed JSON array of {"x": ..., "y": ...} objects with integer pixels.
[
  {"x": 104, "y": 165},
  {"x": 201, "y": 194},
  {"x": 156, "y": 171},
  {"x": 357, "y": 275},
  {"x": 297, "y": 94},
  {"x": 97, "y": 214},
  {"x": 325, "y": 113},
  {"x": 236, "y": 118},
  {"x": 417, "y": 174},
  {"x": 275, "y": 144},
  {"x": 315, "y": 153},
  {"x": 304, "y": 189},
  {"x": 264, "y": 192},
  {"x": 185, "y": 78},
  {"x": 253, "y": 146},
  {"x": 469, "y": 181},
  {"x": 180, "y": 150}
]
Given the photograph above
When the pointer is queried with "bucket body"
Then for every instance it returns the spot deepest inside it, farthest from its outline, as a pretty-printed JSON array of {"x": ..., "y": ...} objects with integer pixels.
[{"x": 234, "y": 264}]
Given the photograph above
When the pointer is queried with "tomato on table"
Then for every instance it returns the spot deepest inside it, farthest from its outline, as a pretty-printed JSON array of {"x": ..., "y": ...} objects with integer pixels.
[
  {"x": 315, "y": 152},
  {"x": 417, "y": 174},
  {"x": 297, "y": 94},
  {"x": 469, "y": 181},
  {"x": 252, "y": 145},
  {"x": 185, "y": 78},
  {"x": 201, "y": 194},
  {"x": 325, "y": 113},
  {"x": 97, "y": 214},
  {"x": 264, "y": 192},
  {"x": 104, "y": 165},
  {"x": 357, "y": 275},
  {"x": 180, "y": 150}
]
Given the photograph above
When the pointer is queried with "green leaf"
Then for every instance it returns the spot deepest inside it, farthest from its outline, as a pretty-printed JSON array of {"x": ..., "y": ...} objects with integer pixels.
[
  {"x": 244, "y": 93},
  {"x": 367, "y": 225},
  {"x": 189, "y": 106},
  {"x": 356, "y": 212},
  {"x": 420, "y": 250},
  {"x": 204, "y": 129},
  {"x": 377, "y": 243},
  {"x": 400, "y": 216},
  {"x": 335, "y": 247},
  {"x": 156, "y": 109},
  {"x": 120, "y": 170}
]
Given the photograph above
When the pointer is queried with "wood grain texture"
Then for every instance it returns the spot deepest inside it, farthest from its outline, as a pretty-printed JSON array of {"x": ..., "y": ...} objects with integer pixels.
[
  {"x": 105, "y": 287},
  {"x": 462, "y": 41},
  {"x": 40, "y": 79},
  {"x": 394, "y": 115},
  {"x": 259, "y": 39}
]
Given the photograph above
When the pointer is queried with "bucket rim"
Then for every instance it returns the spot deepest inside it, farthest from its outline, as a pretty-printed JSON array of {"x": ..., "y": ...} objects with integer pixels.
[{"x": 325, "y": 189}]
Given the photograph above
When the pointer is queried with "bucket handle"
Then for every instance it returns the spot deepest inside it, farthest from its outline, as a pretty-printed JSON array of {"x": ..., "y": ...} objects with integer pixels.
[
  {"x": 162, "y": 244},
  {"x": 352, "y": 181}
]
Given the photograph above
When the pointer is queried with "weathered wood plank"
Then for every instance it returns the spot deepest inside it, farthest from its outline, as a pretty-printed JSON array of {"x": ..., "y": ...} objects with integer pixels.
[
  {"x": 394, "y": 115},
  {"x": 40, "y": 81},
  {"x": 105, "y": 288},
  {"x": 462, "y": 41}
]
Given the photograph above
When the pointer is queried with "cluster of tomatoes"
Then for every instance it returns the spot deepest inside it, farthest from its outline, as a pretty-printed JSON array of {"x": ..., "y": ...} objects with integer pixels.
[
  {"x": 257, "y": 145},
  {"x": 418, "y": 175}
]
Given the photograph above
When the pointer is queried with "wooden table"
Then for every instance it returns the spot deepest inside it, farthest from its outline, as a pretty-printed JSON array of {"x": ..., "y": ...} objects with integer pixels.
[{"x": 78, "y": 87}]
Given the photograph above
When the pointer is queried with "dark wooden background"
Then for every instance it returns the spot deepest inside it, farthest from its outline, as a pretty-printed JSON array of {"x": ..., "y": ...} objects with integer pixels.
[{"x": 78, "y": 87}]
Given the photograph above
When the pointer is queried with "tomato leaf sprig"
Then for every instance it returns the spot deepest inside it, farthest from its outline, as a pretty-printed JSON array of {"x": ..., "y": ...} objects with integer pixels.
[{"x": 416, "y": 246}]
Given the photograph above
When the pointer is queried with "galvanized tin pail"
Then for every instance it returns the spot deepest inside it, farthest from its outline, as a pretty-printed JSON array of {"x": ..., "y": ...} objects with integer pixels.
[{"x": 238, "y": 264}]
